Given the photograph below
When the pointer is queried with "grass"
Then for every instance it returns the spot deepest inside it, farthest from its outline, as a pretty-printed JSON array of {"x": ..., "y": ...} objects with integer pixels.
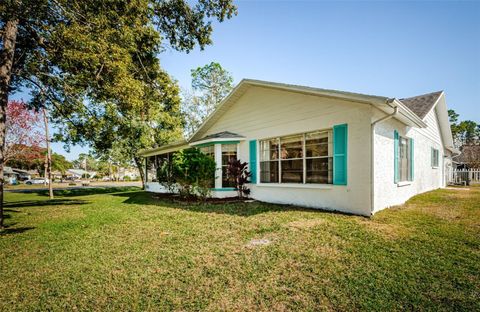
[{"x": 119, "y": 249}]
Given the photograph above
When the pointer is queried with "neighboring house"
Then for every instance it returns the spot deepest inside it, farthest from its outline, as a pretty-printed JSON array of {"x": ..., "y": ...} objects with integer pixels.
[
  {"x": 469, "y": 158},
  {"x": 325, "y": 149},
  {"x": 9, "y": 175},
  {"x": 131, "y": 172},
  {"x": 22, "y": 175},
  {"x": 33, "y": 173},
  {"x": 80, "y": 173}
]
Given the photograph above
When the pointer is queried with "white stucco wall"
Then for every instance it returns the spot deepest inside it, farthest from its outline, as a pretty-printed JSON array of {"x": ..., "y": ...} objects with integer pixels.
[
  {"x": 155, "y": 187},
  {"x": 264, "y": 113},
  {"x": 426, "y": 178}
]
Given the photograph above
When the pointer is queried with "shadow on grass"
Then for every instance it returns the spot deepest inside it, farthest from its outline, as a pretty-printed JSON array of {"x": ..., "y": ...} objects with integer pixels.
[
  {"x": 87, "y": 191},
  {"x": 10, "y": 231},
  {"x": 244, "y": 209},
  {"x": 40, "y": 203}
]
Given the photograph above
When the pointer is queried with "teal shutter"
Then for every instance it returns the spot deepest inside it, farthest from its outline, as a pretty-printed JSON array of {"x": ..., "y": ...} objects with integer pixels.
[
  {"x": 396, "y": 174},
  {"x": 253, "y": 161},
  {"x": 340, "y": 143},
  {"x": 431, "y": 156},
  {"x": 412, "y": 158}
]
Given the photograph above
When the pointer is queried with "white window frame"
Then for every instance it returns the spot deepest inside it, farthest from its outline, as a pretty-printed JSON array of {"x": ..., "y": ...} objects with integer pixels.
[
  {"x": 304, "y": 158},
  {"x": 435, "y": 153},
  {"x": 408, "y": 178}
]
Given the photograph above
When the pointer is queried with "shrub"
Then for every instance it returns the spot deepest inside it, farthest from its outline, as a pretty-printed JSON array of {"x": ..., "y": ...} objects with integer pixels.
[
  {"x": 127, "y": 178},
  {"x": 238, "y": 173},
  {"x": 193, "y": 172},
  {"x": 165, "y": 175}
]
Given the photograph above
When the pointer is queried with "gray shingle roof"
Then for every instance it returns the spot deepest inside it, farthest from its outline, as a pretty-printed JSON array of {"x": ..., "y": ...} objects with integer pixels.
[
  {"x": 222, "y": 135},
  {"x": 421, "y": 104}
]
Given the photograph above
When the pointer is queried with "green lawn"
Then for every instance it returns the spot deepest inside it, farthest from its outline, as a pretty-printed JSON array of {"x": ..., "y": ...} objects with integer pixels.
[{"x": 123, "y": 250}]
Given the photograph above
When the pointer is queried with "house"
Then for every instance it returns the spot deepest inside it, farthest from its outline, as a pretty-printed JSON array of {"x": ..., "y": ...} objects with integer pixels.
[
  {"x": 23, "y": 175},
  {"x": 80, "y": 173},
  {"x": 128, "y": 173},
  {"x": 321, "y": 148},
  {"x": 469, "y": 158},
  {"x": 10, "y": 176}
]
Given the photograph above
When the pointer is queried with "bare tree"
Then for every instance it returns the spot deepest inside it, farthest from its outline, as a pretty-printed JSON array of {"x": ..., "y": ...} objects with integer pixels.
[{"x": 48, "y": 158}]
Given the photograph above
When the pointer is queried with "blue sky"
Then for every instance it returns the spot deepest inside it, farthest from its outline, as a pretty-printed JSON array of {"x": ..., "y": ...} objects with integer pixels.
[{"x": 395, "y": 49}]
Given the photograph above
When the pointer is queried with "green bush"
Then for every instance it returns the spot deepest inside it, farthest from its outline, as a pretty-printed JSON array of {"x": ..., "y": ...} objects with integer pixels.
[
  {"x": 127, "y": 178},
  {"x": 165, "y": 175},
  {"x": 193, "y": 172}
]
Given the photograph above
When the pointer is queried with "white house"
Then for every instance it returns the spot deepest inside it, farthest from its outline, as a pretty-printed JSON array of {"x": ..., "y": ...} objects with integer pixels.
[{"x": 325, "y": 149}]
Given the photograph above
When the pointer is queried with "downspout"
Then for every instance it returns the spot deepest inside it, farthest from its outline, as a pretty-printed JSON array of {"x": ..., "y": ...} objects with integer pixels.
[{"x": 372, "y": 147}]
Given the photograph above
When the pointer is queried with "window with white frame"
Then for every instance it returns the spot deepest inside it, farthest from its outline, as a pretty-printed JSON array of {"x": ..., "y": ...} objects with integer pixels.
[
  {"x": 319, "y": 160},
  {"x": 303, "y": 158},
  {"x": 435, "y": 157},
  {"x": 404, "y": 159},
  {"x": 269, "y": 160}
]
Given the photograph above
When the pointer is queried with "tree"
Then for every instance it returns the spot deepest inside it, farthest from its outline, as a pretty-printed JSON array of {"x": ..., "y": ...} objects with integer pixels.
[
  {"x": 466, "y": 132},
  {"x": 86, "y": 162},
  {"x": 194, "y": 172},
  {"x": 48, "y": 157},
  {"x": 22, "y": 130},
  {"x": 32, "y": 158},
  {"x": 60, "y": 163},
  {"x": 210, "y": 84},
  {"x": 121, "y": 132},
  {"x": 80, "y": 57}
]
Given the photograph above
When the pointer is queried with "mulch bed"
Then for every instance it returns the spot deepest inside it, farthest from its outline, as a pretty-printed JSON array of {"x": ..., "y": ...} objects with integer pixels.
[{"x": 193, "y": 200}]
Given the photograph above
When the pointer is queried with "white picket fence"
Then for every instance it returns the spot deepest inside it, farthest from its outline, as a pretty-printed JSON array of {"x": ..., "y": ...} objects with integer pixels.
[{"x": 463, "y": 176}]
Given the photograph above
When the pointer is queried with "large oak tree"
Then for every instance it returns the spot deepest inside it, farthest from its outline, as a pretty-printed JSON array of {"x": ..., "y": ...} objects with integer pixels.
[{"x": 94, "y": 64}]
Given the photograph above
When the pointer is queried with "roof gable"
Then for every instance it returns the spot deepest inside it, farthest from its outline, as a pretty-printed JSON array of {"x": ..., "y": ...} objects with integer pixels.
[
  {"x": 405, "y": 114},
  {"x": 421, "y": 105}
]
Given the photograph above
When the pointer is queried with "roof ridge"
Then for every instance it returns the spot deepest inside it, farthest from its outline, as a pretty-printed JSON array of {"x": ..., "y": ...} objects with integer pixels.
[{"x": 420, "y": 95}]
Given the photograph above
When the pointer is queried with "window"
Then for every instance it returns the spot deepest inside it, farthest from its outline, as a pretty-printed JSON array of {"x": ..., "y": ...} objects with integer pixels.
[
  {"x": 404, "y": 159},
  {"x": 229, "y": 152},
  {"x": 269, "y": 161},
  {"x": 291, "y": 151},
  {"x": 208, "y": 150},
  {"x": 435, "y": 157},
  {"x": 318, "y": 157},
  {"x": 303, "y": 158}
]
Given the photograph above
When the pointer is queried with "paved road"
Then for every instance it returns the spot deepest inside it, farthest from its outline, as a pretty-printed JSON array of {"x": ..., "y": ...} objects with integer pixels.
[{"x": 67, "y": 187}]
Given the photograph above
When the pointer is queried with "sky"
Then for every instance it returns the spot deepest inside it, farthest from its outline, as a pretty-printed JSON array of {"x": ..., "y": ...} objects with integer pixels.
[{"x": 387, "y": 48}]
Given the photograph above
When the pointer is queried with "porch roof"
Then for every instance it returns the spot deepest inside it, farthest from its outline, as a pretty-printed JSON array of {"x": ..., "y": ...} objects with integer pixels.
[
  {"x": 175, "y": 146},
  {"x": 218, "y": 137},
  {"x": 183, "y": 144}
]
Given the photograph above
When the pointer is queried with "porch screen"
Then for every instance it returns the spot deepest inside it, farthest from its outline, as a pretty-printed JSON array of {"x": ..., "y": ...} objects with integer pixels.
[{"x": 229, "y": 152}]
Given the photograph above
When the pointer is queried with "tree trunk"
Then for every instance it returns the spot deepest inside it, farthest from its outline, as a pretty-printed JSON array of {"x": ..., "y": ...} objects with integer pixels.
[
  {"x": 48, "y": 164},
  {"x": 139, "y": 165},
  {"x": 6, "y": 62}
]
